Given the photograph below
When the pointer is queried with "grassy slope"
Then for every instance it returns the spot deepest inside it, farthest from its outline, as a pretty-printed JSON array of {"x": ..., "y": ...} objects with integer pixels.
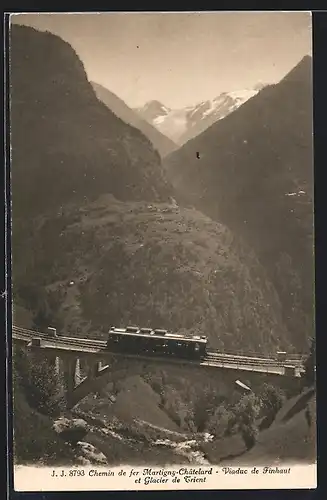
[
  {"x": 135, "y": 400},
  {"x": 285, "y": 441},
  {"x": 291, "y": 441}
]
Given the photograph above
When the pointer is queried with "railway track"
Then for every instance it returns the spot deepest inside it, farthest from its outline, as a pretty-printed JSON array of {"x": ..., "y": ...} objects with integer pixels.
[
  {"x": 23, "y": 334},
  {"x": 238, "y": 360},
  {"x": 212, "y": 356}
]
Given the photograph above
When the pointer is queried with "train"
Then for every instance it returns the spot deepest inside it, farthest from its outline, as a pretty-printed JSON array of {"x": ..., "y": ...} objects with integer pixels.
[
  {"x": 161, "y": 343},
  {"x": 156, "y": 342}
]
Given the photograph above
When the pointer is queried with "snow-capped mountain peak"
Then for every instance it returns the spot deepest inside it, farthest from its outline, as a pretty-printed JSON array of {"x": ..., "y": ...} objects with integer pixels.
[
  {"x": 227, "y": 102},
  {"x": 153, "y": 110},
  {"x": 180, "y": 125}
]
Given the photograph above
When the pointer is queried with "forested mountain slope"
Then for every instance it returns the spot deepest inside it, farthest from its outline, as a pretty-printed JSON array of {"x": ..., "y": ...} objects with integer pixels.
[
  {"x": 253, "y": 171},
  {"x": 67, "y": 146}
]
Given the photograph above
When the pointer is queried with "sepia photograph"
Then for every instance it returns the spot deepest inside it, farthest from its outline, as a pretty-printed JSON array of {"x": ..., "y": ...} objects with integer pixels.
[{"x": 162, "y": 213}]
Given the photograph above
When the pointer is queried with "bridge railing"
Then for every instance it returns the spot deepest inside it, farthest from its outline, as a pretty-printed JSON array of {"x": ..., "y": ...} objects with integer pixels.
[
  {"x": 270, "y": 367},
  {"x": 235, "y": 361},
  {"x": 256, "y": 354},
  {"x": 273, "y": 358}
]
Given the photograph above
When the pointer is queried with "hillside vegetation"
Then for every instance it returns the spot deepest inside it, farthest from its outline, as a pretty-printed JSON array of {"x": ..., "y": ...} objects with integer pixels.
[
  {"x": 253, "y": 171},
  {"x": 114, "y": 263}
]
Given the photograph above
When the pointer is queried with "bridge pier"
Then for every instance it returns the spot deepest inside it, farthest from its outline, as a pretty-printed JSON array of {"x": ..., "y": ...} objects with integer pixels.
[
  {"x": 78, "y": 374},
  {"x": 69, "y": 371},
  {"x": 57, "y": 365},
  {"x": 74, "y": 372}
]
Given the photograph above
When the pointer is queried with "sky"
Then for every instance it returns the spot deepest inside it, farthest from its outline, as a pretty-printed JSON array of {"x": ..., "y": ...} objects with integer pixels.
[{"x": 184, "y": 58}]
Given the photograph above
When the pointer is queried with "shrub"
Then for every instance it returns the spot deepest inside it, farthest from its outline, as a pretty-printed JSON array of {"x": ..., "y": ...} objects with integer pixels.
[
  {"x": 246, "y": 412},
  {"x": 247, "y": 409},
  {"x": 272, "y": 399},
  {"x": 221, "y": 422},
  {"x": 38, "y": 381},
  {"x": 204, "y": 406},
  {"x": 249, "y": 435},
  {"x": 34, "y": 439},
  {"x": 178, "y": 410}
]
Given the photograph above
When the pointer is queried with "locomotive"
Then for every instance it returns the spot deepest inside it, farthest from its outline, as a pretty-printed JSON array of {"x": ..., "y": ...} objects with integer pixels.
[{"x": 156, "y": 342}]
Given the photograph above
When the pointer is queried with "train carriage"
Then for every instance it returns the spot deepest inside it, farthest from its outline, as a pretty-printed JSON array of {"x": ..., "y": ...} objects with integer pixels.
[{"x": 160, "y": 343}]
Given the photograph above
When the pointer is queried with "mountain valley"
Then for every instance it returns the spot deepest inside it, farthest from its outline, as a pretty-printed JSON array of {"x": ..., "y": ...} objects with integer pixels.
[
  {"x": 161, "y": 142},
  {"x": 114, "y": 224}
]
